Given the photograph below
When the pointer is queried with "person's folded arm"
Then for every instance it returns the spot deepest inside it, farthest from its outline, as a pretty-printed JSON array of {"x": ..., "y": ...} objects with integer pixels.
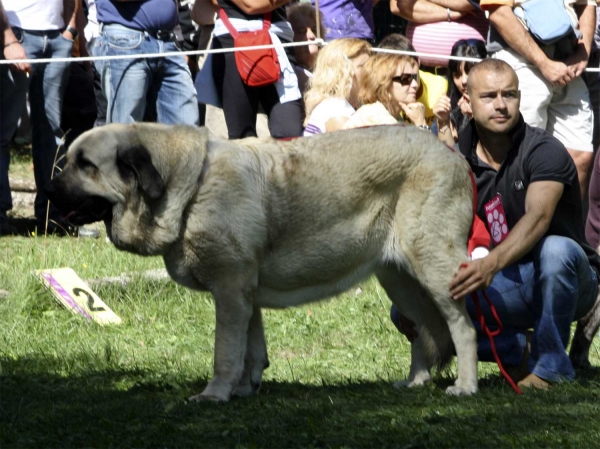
[
  {"x": 203, "y": 12},
  {"x": 578, "y": 61},
  {"x": 518, "y": 38},
  {"x": 70, "y": 12},
  {"x": 424, "y": 11},
  {"x": 259, "y": 6},
  {"x": 540, "y": 203}
]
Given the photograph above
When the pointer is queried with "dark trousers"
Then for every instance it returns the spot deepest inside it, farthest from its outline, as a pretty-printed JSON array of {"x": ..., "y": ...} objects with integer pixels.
[{"x": 240, "y": 101}]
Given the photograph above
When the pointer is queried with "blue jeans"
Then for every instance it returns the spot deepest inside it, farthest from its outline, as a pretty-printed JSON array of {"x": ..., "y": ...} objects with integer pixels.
[
  {"x": 546, "y": 291},
  {"x": 128, "y": 83},
  {"x": 46, "y": 87}
]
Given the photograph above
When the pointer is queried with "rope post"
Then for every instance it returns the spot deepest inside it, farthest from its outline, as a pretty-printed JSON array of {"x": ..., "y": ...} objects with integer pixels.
[{"x": 318, "y": 18}]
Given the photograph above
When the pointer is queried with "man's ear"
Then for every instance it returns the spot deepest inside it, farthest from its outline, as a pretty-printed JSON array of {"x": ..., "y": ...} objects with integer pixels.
[{"x": 137, "y": 158}]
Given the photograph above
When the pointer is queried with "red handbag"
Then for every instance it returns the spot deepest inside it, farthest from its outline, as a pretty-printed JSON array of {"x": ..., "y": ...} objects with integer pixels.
[{"x": 256, "y": 67}]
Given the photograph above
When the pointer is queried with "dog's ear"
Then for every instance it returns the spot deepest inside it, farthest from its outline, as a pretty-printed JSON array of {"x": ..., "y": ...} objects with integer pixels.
[{"x": 137, "y": 158}]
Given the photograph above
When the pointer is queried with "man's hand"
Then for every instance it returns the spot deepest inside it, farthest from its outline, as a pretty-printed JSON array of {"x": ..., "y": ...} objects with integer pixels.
[
  {"x": 578, "y": 60},
  {"x": 558, "y": 73},
  {"x": 16, "y": 51},
  {"x": 68, "y": 35},
  {"x": 473, "y": 276}
]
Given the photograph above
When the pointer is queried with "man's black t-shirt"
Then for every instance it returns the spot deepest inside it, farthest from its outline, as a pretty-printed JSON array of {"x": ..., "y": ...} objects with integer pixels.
[{"x": 535, "y": 155}]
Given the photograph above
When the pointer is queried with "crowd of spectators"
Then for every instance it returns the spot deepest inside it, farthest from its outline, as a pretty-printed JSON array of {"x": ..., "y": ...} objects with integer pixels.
[{"x": 353, "y": 81}]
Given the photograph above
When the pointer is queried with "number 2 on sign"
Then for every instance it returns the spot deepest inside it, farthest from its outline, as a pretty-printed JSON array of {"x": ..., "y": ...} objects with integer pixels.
[{"x": 90, "y": 300}]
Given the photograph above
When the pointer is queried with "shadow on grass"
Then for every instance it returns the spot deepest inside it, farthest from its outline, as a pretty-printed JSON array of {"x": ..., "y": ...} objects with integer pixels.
[{"x": 134, "y": 408}]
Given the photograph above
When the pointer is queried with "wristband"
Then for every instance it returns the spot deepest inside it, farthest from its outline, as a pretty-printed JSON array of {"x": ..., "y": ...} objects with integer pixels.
[
  {"x": 448, "y": 11},
  {"x": 73, "y": 32},
  {"x": 425, "y": 127}
]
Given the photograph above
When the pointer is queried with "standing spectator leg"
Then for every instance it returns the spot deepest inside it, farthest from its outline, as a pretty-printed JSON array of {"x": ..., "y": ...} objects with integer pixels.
[
  {"x": 48, "y": 84},
  {"x": 125, "y": 82},
  {"x": 13, "y": 88},
  {"x": 240, "y": 102},
  {"x": 176, "y": 100}
]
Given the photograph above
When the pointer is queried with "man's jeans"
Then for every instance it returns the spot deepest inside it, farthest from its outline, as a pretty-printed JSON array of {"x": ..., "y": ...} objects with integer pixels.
[
  {"x": 547, "y": 292},
  {"x": 129, "y": 83},
  {"x": 46, "y": 87}
]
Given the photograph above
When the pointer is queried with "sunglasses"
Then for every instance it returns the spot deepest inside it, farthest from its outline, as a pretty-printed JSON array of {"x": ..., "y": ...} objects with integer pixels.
[{"x": 406, "y": 78}]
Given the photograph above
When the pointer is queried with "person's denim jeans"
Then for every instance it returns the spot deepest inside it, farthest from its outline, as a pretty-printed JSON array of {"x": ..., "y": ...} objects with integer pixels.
[
  {"x": 46, "y": 87},
  {"x": 546, "y": 292},
  {"x": 129, "y": 83}
]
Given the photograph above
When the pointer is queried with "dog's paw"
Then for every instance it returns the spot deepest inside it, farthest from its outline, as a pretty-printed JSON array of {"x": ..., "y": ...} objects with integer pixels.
[
  {"x": 206, "y": 398},
  {"x": 455, "y": 390},
  {"x": 410, "y": 383}
]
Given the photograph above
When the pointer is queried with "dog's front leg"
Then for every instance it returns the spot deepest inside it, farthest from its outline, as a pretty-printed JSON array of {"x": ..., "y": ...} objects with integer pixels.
[{"x": 234, "y": 310}]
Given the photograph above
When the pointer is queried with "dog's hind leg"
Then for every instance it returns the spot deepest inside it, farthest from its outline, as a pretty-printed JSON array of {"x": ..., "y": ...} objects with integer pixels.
[
  {"x": 587, "y": 328},
  {"x": 406, "y": 294},
  {"x": 439, "y": 272},
  {"x": 256, "y": 360}
]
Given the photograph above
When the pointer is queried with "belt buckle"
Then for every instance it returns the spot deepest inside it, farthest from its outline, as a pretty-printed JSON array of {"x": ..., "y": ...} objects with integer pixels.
[{"x": 163, "y": 35}]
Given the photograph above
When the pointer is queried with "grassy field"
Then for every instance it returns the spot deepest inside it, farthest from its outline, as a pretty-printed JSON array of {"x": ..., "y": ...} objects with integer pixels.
[{"x": 66, "y": 383}]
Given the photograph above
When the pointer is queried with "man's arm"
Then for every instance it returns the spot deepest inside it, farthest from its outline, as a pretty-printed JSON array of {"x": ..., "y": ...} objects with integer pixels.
[
  {"x": 12, "y": 49},
  {"x": 203, "y": 12},
  {"x": 587, "y": 25},
  {"x": 430, "y": 11},
  {"x": 70, "y": 13},
  {"x": 259, "y": 6},
  {"x": 540, "y": 203},
  {"x": 519, "y": 39}
]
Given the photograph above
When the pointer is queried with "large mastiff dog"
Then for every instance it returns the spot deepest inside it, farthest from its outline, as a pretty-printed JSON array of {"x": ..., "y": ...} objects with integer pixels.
[{"x": 267, "y": 223}]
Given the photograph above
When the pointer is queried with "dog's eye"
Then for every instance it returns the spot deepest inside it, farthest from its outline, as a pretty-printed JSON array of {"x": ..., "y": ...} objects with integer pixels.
[{"x": 86, "y": 165}]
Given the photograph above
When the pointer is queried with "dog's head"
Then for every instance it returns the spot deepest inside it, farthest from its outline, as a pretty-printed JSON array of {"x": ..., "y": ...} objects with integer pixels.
[{"x": 121, "y": 174}]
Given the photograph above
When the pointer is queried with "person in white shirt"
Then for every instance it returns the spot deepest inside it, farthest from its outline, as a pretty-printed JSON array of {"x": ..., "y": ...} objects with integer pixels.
[{"x": 332, "y": 94}]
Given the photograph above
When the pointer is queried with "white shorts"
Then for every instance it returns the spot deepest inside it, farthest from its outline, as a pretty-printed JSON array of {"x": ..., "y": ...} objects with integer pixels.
[{"x": 563, "y": 111}]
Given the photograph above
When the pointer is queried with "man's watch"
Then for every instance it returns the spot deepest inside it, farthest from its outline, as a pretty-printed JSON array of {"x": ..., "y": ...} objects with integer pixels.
[{"x": 73, "y": 31}]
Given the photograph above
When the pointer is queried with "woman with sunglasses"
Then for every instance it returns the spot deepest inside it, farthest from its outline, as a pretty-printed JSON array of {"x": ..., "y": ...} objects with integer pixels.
[
  {"x": 453, "y": 111},
  {"x": 388, "y": 92}
]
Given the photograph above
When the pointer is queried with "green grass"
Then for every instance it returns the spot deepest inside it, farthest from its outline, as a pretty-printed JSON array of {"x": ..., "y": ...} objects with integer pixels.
[{"x": 66, "y": 383}]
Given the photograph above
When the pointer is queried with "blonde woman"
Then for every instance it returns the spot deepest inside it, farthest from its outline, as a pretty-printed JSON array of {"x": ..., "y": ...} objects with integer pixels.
[
  {"x": 332, "y": 95},
  {"x": 388, "y": 92}
]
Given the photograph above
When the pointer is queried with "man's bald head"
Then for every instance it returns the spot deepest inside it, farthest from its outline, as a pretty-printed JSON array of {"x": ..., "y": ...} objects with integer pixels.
[{"x": 496, "y": 66}]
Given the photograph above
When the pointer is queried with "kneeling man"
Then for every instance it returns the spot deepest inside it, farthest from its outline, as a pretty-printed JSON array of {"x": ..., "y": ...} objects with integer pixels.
[{"x": 540, "y": 274}]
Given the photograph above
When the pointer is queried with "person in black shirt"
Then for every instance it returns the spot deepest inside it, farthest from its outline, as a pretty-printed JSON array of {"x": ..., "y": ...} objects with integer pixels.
[{"x": 541, "y": 273}]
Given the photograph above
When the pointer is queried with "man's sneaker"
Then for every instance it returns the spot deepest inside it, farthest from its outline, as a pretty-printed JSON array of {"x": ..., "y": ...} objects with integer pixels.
[{"x": 5, "y": 228}]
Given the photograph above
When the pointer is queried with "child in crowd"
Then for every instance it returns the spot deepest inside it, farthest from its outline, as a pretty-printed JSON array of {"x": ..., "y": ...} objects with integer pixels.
[
  {"x": 453, "y": 111},
  {"x": 332, "y": 95}
]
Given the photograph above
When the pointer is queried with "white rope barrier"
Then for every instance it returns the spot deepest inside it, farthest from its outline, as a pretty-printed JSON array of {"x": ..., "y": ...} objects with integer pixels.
[
  {"x": 159, "y": 55},
  {"x": 320, "y": 42}
]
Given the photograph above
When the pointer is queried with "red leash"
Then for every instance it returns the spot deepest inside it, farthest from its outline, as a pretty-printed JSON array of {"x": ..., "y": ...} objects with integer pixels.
[
  {"x": 479, "y": 236},
  {"x": 491, "y": 334}
]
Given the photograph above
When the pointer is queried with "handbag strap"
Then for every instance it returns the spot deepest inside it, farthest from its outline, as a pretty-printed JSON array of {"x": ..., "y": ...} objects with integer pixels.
[{"x": 234, "y": 33}]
